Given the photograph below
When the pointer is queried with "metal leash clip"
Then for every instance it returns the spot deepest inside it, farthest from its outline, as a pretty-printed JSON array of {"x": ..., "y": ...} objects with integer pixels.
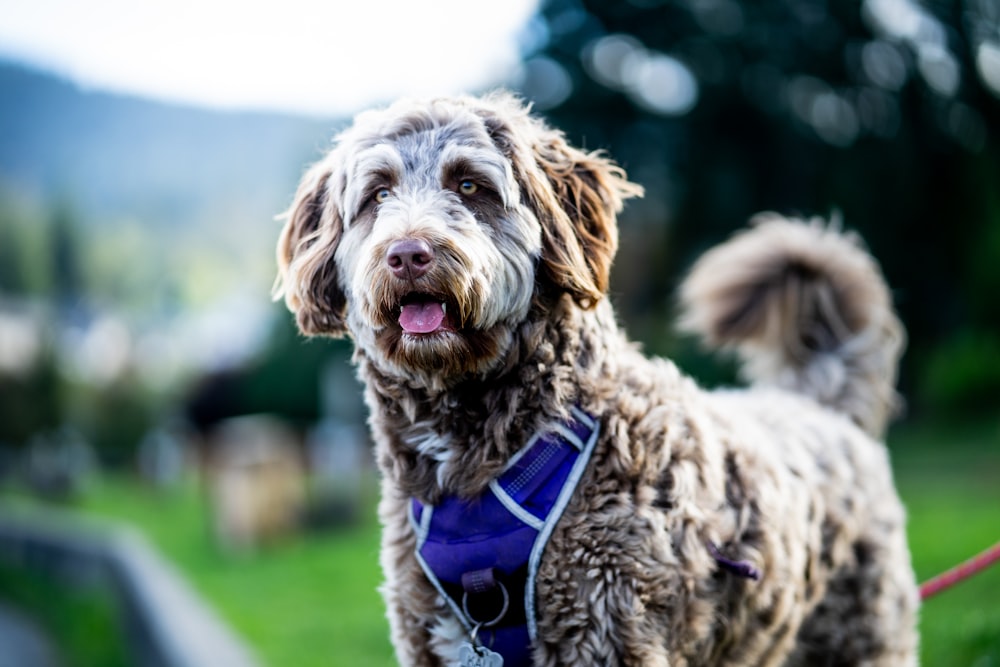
[{"x": 473, "y": 653}]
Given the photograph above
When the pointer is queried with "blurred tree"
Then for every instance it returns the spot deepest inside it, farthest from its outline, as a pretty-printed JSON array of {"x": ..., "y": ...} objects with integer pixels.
[
  {"x": 24, "y": 239},
  {"x": 963, "y": 374},
  {"x": 31, "y": 396},
  {"x": 66, "y": 260},
  {"x": 115, "y": 417},
  {"x": 12, "y": 272},
  {"x": 30, "y": 401},
  {"x": 880, "y": 110},
  {"x": 286, "y": 379},
  {"x": 42, "y": 290}
]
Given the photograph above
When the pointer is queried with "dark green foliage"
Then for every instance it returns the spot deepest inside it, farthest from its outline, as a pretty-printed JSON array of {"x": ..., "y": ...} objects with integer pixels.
[
  {"x": 30, "y": 402},
  {"x": 962, "y": 376},
  {"x": 286, "y": 379},
  {"x": 13, "y": 273},
  {"x": 803, "y": 108},
  {"x": 115, "y": 418},
  {"x": 65, "y": 261}
]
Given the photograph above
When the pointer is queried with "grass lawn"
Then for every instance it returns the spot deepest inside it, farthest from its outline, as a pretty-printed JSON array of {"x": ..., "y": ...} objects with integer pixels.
[
  {"x": 307, "y": 602},
  {"x": 949, "y": 479},
  {"x": 312, "y": 602},
  {"x": 85, "y": 620}
]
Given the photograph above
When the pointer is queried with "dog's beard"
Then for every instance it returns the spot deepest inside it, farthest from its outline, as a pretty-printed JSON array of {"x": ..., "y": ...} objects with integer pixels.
[
  {"x": 454, "y": 323},
  {"x": 440, "y": 359}
]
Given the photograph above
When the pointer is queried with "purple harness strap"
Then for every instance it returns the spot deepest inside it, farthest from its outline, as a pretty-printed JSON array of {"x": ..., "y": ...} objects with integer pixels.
[{"x": 483, "y": 554}]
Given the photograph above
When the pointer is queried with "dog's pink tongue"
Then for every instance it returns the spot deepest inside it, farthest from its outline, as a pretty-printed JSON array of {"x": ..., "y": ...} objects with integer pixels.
[{"x": 422, "y": 317}]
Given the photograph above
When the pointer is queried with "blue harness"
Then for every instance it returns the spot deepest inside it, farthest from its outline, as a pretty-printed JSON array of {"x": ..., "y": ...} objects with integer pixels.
[{"x": 483, "y": 554}]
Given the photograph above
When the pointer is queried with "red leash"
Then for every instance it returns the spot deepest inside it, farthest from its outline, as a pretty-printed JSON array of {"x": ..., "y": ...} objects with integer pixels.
[{"x": 958, "y": 573}]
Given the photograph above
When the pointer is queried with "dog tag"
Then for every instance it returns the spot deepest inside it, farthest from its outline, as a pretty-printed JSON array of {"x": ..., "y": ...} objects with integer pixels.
[{"x": 478, "y": 656}]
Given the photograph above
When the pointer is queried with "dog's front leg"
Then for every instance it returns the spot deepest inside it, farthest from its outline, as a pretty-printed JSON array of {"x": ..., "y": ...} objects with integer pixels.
[
  {"x": 594, "y": 591},
  {"x": 411, "y": 602},
  {"x": 599, "y": 622}
]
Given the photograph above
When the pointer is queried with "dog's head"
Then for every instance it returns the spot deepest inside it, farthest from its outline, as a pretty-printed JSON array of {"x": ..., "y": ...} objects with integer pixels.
[{"x": 428, "y": 230}]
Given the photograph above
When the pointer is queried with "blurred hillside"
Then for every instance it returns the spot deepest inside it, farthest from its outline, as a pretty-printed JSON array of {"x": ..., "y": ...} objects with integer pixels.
[
  {"x": 206, "y": 180},
  {"x": 136, "y": 258}
]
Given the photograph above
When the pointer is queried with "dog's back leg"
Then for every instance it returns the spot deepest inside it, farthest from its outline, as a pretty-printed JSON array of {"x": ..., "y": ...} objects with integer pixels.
[{"x": 868, "y": 615}]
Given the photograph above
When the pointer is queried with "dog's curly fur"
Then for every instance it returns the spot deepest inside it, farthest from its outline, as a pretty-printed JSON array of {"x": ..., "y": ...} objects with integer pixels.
[{"x": 515, "y": 234}]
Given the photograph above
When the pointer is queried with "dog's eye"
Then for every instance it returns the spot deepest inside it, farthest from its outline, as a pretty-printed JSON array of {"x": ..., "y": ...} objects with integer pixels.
[
  {"x": 468, "y": 187},
  {"x": 382, "y": 195}
]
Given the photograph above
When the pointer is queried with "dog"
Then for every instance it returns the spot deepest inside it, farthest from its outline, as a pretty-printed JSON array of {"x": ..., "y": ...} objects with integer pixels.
[{"x": 465, "y": 247}]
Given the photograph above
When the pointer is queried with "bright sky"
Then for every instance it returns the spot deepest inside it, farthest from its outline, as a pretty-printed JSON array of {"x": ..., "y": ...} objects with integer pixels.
[{"x": 324, "y": 57}]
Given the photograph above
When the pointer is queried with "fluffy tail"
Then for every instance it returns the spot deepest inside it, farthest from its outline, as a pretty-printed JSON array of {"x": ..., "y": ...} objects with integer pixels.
[{"x": 805, "y": 307}]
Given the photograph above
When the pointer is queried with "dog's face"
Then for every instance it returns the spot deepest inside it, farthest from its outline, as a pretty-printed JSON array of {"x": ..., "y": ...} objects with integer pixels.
[{"x": 429, "y": 228}]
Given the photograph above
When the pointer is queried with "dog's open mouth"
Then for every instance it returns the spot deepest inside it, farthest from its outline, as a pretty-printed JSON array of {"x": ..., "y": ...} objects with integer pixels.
[{"x": 422, "y": 314}]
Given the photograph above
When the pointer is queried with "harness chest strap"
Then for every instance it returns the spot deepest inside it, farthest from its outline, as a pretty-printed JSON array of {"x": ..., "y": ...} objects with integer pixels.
[{"x": 483, "y": 554}]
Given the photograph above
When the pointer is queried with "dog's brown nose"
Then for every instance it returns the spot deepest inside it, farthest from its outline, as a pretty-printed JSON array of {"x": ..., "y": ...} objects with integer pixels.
[{"x": 410, "y": 258}]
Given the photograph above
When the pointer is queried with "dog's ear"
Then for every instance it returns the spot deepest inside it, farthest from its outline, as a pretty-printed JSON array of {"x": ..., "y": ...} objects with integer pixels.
[
  {"x": 307, "y": 275},
  {"x": 575, "y": 195},
  {"x": 578, "y": 211}
]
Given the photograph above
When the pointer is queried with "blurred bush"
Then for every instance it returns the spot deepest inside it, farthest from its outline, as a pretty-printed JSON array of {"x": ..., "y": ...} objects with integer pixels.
[
  {"x": 115, "y": 417},
  {"x": 30, "y": 400},
  {"x": 962, "y": 376}
]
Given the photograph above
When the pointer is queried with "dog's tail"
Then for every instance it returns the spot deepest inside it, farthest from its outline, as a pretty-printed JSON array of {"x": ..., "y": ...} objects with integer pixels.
[{"x": 805, "y": 307}]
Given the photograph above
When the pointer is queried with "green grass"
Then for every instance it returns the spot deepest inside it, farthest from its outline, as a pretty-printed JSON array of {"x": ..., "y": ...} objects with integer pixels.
[
  {"x": 312, "y": 601},
  {"x": 305, "y": 602},
  {"x": 949, "y": 478},
  {"x": 85, "y": 620}
]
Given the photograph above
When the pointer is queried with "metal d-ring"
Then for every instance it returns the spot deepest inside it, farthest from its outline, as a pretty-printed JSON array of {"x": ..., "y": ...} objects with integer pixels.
[{"x": 499, "y": 617}]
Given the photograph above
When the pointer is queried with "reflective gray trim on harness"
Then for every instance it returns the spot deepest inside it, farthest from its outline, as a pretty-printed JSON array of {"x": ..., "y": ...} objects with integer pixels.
[{"x": 569, "y": 486}]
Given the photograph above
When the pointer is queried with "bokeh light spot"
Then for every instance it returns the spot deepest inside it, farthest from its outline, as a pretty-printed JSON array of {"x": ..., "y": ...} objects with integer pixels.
[
  {"x": 884, "y": 65},
  {"x": 656, "y": 81},
  {"x": 939, "y": 69},
  {"x": 545, "y": 82},
  {"x": 988, "y": 65},
  {"x": 661, "y": 83}
]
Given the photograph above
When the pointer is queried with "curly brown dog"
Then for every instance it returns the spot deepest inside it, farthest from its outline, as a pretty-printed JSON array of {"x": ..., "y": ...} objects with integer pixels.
[{"x": 550, "y": 495}]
